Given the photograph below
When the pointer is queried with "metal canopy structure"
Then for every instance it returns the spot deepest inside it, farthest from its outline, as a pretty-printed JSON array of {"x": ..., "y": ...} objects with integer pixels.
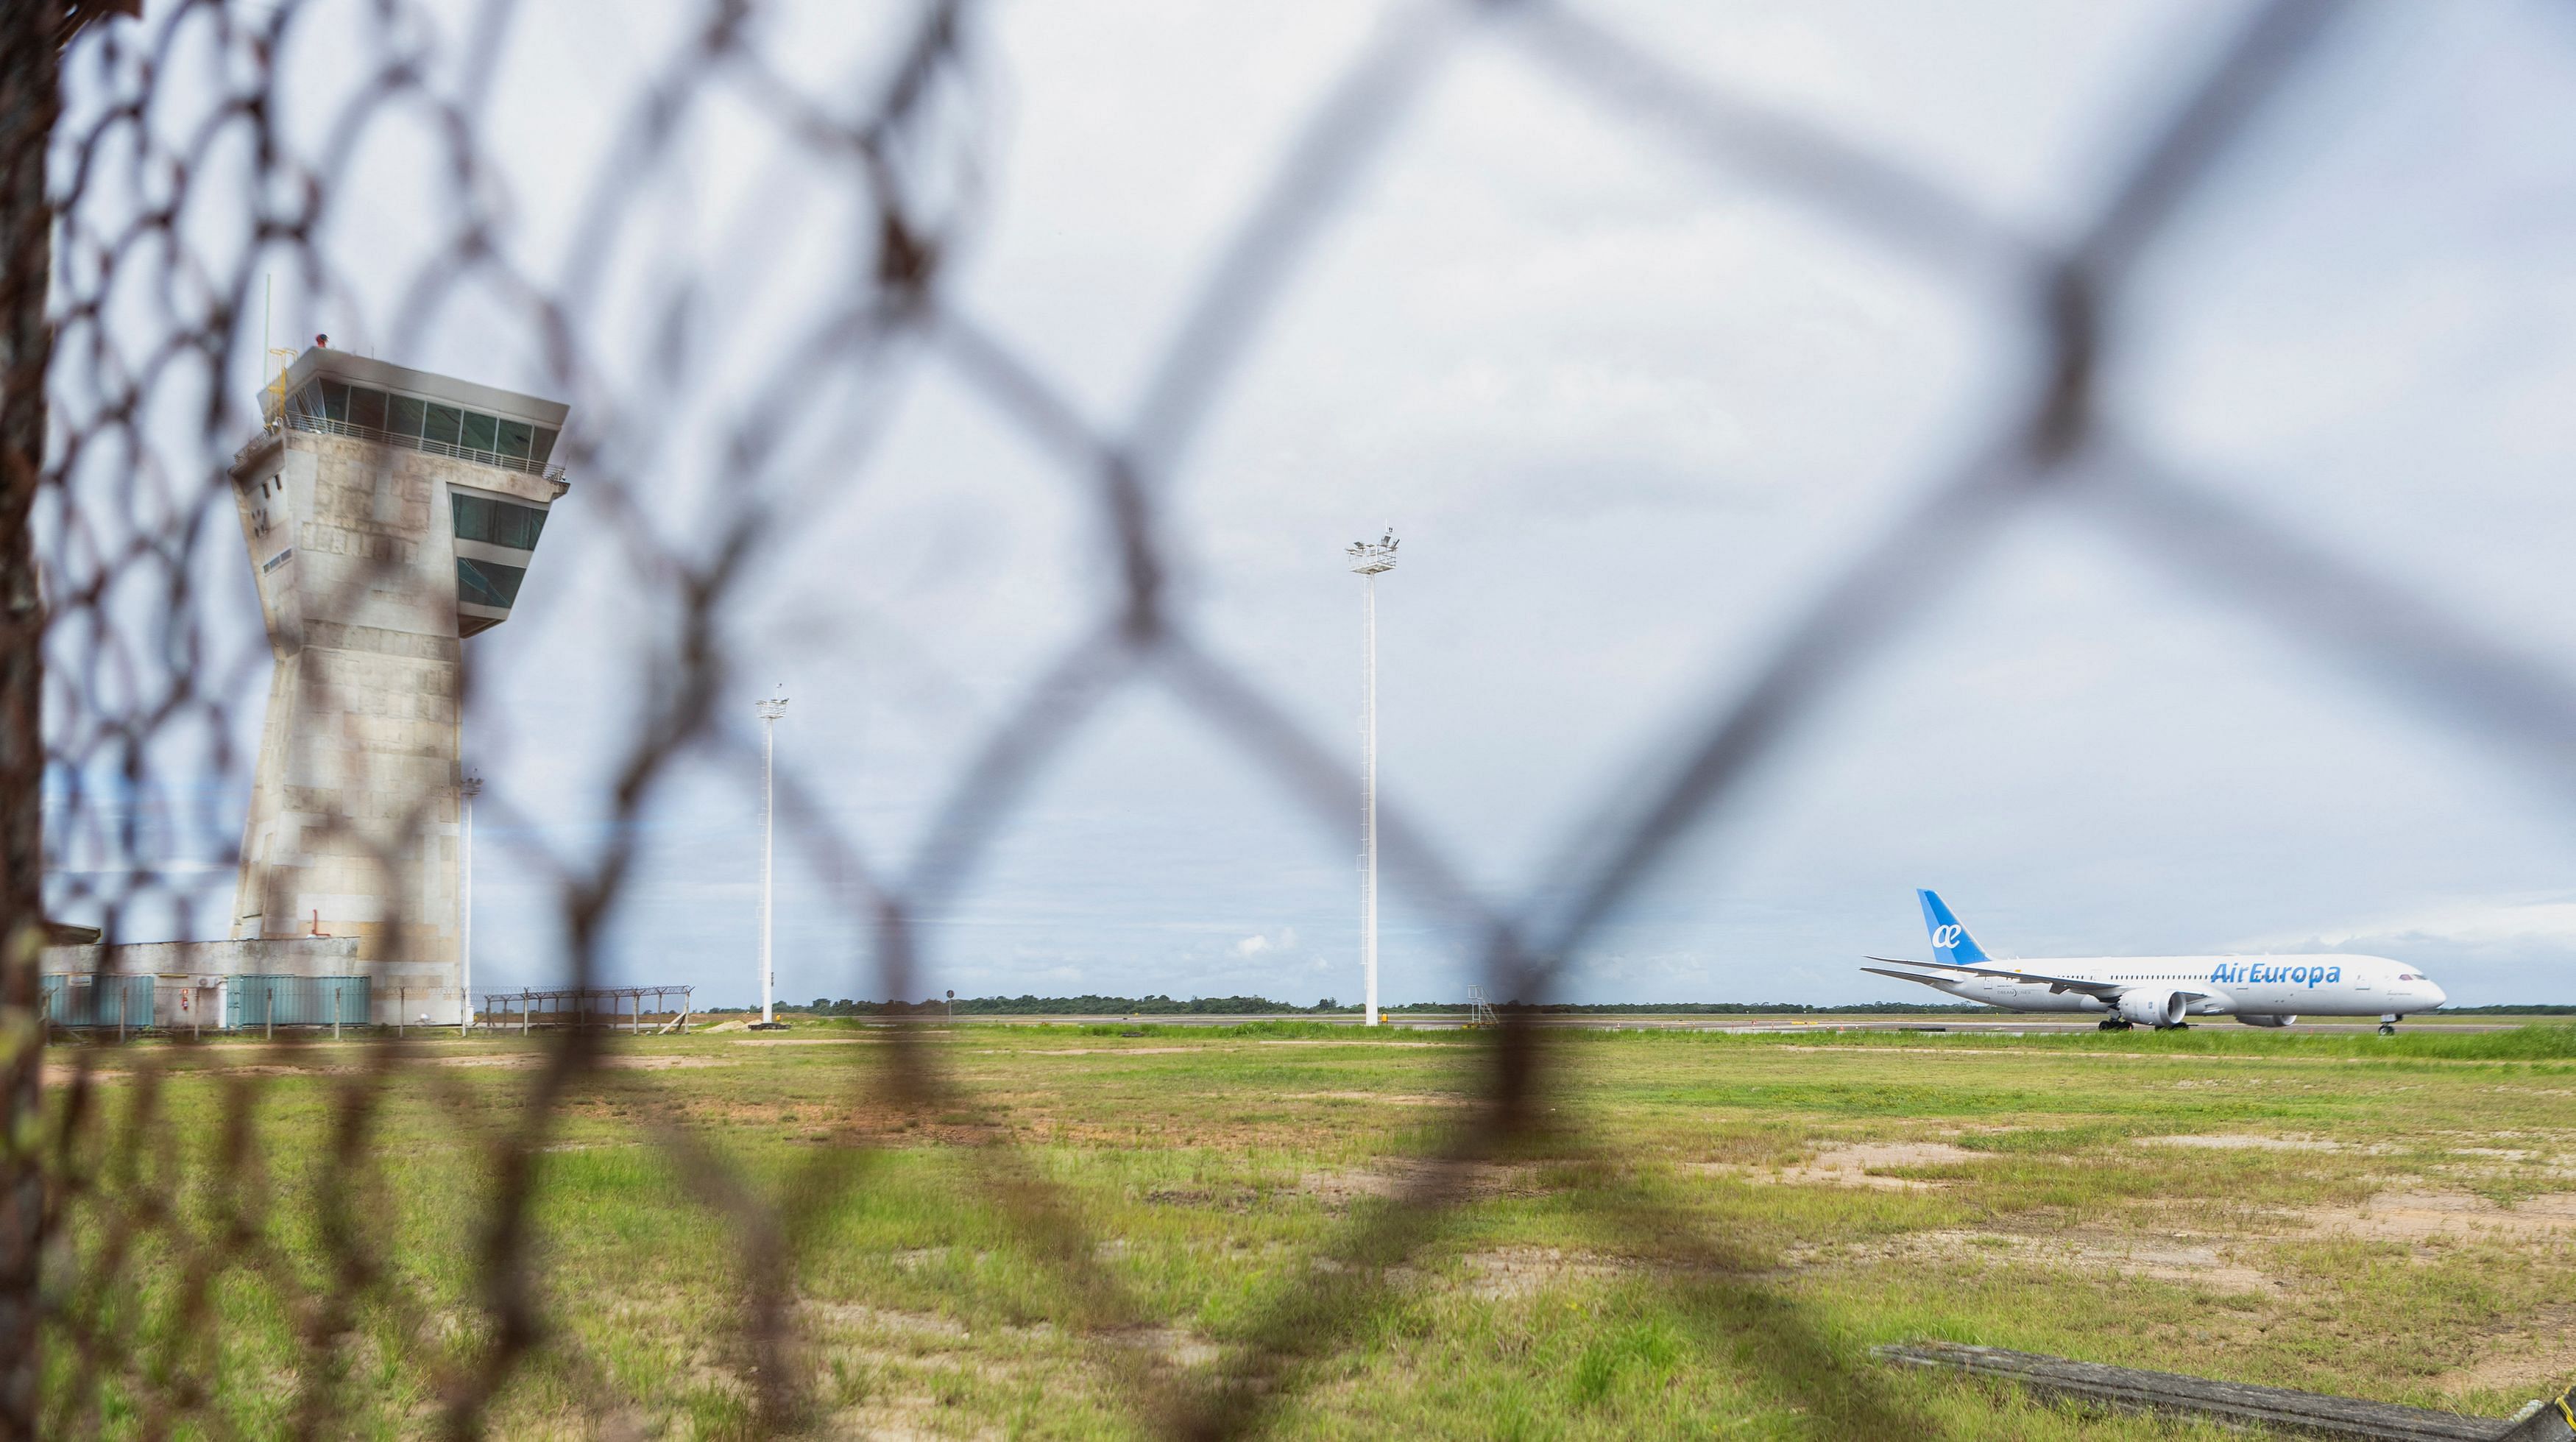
[{"x": 602, "y": 1006}]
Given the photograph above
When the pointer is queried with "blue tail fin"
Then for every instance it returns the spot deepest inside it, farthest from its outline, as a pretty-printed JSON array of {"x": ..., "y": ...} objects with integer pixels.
[{"x": 1950, "y": 941}]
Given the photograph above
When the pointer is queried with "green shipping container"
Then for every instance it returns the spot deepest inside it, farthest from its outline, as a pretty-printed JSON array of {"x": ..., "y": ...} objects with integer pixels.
[
  {"x": 79, "y": 999},
  {"x": 251, "y": 1001}
]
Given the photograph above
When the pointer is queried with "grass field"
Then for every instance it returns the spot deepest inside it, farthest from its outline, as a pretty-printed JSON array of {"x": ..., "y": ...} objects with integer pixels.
[{"x": 1707, "y": 1241}]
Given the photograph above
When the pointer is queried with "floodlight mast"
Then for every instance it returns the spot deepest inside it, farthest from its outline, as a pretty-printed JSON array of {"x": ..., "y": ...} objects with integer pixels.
[
  {"x": 769, "y": 712},
  {"x": 1370, "y": 561}
]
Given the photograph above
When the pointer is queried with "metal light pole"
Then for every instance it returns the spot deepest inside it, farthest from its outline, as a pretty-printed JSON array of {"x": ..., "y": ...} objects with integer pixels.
[
  {"x": 468, "y": 789},
  {"x": 1370, "y": 561},
  {"x": 769, "y": 712}
]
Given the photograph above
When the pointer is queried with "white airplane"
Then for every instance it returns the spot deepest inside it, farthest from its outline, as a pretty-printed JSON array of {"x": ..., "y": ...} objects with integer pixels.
[{"x": 2160, "y": 991}]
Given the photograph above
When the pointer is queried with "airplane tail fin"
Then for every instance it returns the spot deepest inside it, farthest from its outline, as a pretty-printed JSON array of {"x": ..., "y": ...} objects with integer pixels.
[{"x": 1950, "y": 941}]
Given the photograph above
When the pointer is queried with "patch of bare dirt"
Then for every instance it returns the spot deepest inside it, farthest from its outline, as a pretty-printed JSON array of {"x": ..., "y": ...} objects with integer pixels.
[
  {"x": 1172, "y": 1346},
  {"x": 2247, "y": 1142},
  {"x": 888, "y": 1320},
  {"x": 1409, "y": 1099},
  {"x": 2534, "y": 1362},
  {"x": 58, "y": 1075},
  {"x": 1856, "y": 1164},
  {"x": 1511, "y": 1273},
  {"x": 909, "y": 1419},
  {"x": 525, "y": 1059},
  {"x": 1224, "y": 1198},
  {"x": 1336, "y": 1041},
  {"x": 245, "y": 1069},
  {"x": 2179, "y": 1258},
  {"x": 1107, "y": 1050},
  {"x": 1471, "y": 1179},
  {"x": 2426, "y": 1216},
  {"x": 918, "y": 1332}
]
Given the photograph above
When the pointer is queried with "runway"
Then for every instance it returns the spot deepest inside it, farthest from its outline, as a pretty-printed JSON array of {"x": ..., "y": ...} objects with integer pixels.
[{"x": 1999, "y": 1023}]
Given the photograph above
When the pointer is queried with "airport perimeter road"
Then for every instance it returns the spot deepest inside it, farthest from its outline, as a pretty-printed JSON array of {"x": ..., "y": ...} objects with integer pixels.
[{"x": 2005, "y": 1023}]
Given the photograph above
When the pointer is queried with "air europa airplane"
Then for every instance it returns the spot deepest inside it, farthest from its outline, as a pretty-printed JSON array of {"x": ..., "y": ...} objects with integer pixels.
[{"x": 2160, "y": 991}]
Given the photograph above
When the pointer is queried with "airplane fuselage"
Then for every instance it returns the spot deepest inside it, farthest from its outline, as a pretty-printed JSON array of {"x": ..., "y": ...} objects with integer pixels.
[{"x": 2340, "y": 984}]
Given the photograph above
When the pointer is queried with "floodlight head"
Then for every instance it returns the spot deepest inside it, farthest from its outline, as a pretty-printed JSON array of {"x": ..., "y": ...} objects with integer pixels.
[
  {"x": 1374, "y": 559},
  {"x": 472, "y": 786},
  {"x": 772, "y": 709}
]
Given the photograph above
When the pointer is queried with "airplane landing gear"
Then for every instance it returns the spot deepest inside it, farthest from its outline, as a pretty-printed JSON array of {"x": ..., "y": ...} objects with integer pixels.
[
  {"x": 2388, "y": 1025},
  {"x": 2112, "y": 1023}
]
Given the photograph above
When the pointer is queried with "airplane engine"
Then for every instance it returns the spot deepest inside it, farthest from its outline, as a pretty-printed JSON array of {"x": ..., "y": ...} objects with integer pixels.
[
  {"x": 2152, "y": 1008},
  {"x": 2266, "y": 1020}
]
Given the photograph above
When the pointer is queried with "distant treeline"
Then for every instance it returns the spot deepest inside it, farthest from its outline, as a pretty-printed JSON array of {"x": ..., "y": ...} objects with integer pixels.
[{"x": 1264, "y": 1006}]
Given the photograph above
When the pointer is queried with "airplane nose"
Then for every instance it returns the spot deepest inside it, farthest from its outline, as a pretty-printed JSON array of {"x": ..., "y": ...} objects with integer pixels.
[{"x": 2436, "y": 993}]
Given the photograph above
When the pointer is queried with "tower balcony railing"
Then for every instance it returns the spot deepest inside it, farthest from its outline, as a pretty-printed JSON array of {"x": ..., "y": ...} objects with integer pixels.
[{"x": 324, "y": 425}]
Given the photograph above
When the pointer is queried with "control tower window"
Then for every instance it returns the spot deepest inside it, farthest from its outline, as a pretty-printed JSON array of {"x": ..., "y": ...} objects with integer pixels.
[
  {"x": 479, "y": 518},
  {"x": 366, "y": 408},
  {"x": 335, "y": 400},
  {"x": 478, "y": 433},
  {"x": 515, "y": 436},
  {"x": 488, "y": 583},
  {"x": 543, "y": 448},
  {"x": 444, "y": 425},
  {"x": 404, "y": 414}
]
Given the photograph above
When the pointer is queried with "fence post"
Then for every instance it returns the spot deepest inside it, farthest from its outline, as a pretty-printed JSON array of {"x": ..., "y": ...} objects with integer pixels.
[
  {"x": 268, "y": 1010},
  {"x": 29, "y": 98},
  {"x": 402, "y": 1003},
  {"x": 121, "y": 991}
]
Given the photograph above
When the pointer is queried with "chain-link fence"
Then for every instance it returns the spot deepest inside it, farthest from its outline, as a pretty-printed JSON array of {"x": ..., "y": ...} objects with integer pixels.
[{"x": 153, "y": 183}]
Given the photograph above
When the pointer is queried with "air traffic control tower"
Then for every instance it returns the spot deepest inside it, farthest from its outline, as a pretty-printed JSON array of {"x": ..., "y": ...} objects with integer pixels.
[{"x": 390, "y": 514}]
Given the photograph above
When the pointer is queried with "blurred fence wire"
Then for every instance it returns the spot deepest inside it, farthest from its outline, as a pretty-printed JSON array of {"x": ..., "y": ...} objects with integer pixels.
[{"x": 149, "y": 183}]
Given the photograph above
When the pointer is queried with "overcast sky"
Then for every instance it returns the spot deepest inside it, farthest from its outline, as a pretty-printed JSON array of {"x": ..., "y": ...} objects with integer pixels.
[{"x": 1628, "y": 410}]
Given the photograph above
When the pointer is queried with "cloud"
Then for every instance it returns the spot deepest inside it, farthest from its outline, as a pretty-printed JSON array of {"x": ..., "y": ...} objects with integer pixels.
[
  {"x": 2515, "y": 926},
  {"x": 1262, "y": 944}
]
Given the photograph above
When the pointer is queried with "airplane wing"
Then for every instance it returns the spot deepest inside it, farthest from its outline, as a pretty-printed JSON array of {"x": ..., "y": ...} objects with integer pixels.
[
  {"x": 2106, "y": 990},
  {"x": 1907, "y": 975}
]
